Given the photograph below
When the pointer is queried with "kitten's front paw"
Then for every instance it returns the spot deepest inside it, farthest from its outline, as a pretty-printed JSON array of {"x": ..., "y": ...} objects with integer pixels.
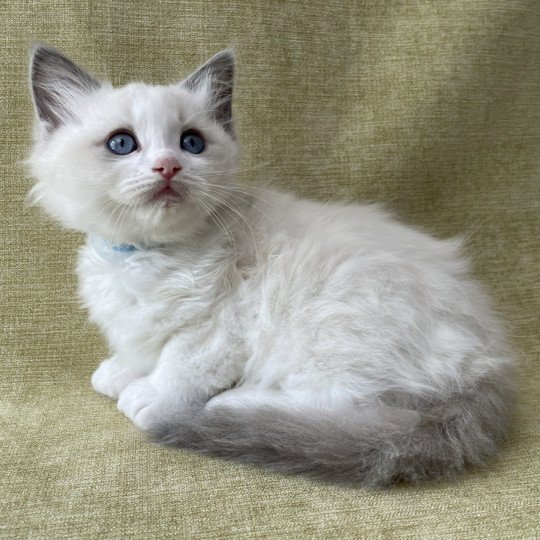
[
  {"x": 111, "y": 378},
  {"x": 141, "y": 403}
]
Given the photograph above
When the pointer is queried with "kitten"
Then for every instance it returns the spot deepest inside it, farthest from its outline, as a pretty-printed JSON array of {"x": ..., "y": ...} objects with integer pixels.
[{"x": 327, "y": 339}]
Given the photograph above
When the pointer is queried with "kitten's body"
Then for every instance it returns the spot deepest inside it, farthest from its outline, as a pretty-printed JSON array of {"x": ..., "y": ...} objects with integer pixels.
[{"x": 324, "y": 338}]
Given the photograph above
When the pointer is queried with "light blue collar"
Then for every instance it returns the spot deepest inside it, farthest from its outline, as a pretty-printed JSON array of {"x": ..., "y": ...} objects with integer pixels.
[
  {"x": 102, "y": 246},
  {"x": 124, "y": 248}
]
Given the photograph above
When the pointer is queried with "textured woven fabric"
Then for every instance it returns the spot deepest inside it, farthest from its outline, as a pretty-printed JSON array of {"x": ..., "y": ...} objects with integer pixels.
[{"x": 429, "y": 106}]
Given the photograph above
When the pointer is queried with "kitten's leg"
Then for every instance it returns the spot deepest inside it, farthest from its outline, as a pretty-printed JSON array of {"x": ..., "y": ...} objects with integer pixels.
[
  {"x": 184, "y": 374},
  {"x": 116, "y": 373}
]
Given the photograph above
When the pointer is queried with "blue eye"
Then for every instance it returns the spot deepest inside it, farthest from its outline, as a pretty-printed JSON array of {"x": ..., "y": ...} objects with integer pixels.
[
  {"x": 122, "y": 144},
  {"x": 192, "y": 142}
]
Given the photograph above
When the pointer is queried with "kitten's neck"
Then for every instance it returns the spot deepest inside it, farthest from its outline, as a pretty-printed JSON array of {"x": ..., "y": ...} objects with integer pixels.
[
  {"x": 229, "y": 227},
  {"x": 224, "y": 228}
]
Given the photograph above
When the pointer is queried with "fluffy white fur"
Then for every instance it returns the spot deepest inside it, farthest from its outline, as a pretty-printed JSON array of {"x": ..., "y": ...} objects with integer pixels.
[{"x": 246, "y": 299}]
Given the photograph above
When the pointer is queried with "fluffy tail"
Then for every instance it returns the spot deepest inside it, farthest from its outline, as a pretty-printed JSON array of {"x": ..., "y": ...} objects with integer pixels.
[{"x": 424, "y": 440}]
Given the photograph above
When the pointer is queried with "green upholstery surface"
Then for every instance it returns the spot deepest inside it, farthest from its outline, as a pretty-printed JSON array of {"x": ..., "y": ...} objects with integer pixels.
[{"x": 429, "y": 106}]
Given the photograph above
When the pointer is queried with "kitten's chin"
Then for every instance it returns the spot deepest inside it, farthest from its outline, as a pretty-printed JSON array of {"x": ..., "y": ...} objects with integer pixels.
[{"x": 167, "y": 219}]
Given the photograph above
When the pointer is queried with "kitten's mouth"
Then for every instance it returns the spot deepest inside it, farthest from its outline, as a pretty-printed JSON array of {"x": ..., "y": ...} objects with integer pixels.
[{"x": 168, "y": 195}]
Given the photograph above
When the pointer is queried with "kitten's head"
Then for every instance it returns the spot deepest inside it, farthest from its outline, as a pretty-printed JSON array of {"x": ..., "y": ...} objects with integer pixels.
[{"x": 136, "y": 164}]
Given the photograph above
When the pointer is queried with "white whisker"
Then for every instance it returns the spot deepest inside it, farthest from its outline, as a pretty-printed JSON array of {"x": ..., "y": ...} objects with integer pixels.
[
  {"x": 221, "y": 225},
  {"x": 236, "y": 211}
]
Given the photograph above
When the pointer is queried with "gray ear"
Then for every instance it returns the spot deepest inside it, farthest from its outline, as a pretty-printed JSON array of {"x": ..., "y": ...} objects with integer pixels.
[
  {"x": 56, "y": 81},
  {"x": 217, "y": 74}
]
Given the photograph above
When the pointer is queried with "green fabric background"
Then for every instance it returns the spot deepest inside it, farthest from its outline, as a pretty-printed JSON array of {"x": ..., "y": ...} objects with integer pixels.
[{"x": 429, "y": 106}]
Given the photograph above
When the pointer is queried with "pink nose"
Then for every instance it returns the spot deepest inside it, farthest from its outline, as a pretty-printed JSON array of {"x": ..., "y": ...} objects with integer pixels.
[{"x": 167, "y": 167}]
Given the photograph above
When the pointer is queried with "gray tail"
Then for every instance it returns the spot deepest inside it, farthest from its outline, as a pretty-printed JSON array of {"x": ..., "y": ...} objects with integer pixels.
[{"x": 423, "y": 440}]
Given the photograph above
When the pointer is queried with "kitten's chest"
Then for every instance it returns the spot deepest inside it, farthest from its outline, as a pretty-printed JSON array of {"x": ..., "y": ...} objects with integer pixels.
[{"x": 140, "y": 295}]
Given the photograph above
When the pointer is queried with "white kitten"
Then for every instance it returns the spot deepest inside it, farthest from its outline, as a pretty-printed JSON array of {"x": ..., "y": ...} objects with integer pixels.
[{"x": 319, "y": 338}]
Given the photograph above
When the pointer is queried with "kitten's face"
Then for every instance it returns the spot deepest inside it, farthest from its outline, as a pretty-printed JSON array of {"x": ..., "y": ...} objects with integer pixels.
[{"x": 137, "y": 164}]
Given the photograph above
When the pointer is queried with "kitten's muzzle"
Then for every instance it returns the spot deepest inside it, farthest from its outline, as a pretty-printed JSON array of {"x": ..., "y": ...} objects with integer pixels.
[{"x": 169, "y": 191}]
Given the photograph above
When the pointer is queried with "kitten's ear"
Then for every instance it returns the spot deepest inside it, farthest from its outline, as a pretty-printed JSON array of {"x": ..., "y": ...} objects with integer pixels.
[
  {"x": 56, "y": 83},
  {"x": 216, "y": 77}
]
